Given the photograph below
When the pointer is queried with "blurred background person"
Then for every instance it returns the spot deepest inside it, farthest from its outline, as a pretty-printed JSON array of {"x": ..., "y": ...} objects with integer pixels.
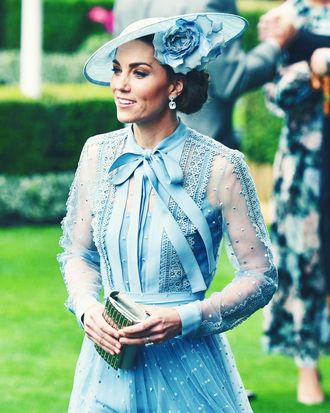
[
  {"x": 297, "y": 320},
  {"x": 232, "y": 75}
]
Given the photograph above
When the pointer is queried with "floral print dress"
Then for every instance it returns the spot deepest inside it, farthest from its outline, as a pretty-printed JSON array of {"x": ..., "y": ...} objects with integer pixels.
[{"x": 296, "y": 322}]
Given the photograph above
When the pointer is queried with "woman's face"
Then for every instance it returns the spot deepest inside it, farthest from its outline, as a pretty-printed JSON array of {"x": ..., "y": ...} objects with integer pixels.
[{"x": 140, "y": 84}]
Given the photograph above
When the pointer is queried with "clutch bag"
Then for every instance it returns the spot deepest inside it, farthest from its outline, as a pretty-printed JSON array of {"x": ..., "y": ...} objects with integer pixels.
[{"x": 123, "y": 311}]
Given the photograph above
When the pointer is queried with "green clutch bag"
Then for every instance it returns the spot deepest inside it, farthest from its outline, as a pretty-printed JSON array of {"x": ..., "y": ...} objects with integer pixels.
[{"x": 123, "y": 311}]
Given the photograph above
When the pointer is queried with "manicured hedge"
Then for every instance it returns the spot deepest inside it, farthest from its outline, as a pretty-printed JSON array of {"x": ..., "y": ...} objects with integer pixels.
[
  {"x": 34, "y": 199},
  {"x": 66, "y": 24},
  {"x": 56, "y": 67},
  {"x": 2, "y": 24},
  {"x": 47, "y": 135}
]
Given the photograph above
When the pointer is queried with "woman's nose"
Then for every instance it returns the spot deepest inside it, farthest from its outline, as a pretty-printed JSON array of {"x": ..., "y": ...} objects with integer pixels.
[{"x": 121, "y": 82}]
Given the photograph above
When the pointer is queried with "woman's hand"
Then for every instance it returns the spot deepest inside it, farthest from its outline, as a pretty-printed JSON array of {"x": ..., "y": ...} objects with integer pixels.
[
  {"x": 278, "y": 24},
  {"x": 99, "y": 331},
  {"x": 163, "y": 324},
  {"x": 320, "y": 60}
]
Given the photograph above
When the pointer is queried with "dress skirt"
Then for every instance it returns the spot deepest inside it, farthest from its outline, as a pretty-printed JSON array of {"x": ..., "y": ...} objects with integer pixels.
[{"x": 182, "y": 375}]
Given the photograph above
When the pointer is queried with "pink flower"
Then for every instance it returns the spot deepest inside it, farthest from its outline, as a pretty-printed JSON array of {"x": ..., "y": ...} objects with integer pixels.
[{"x": 103, "y": 16}]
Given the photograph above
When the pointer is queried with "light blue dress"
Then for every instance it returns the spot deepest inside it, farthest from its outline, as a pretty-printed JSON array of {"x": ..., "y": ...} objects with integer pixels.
[{"x": 150, "y": 222}]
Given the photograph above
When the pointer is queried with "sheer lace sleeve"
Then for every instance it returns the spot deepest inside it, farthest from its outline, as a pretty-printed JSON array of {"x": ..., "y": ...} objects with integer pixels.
[
  {"x": 248, "y": 247},
  {"x": 80, "y": 259}
]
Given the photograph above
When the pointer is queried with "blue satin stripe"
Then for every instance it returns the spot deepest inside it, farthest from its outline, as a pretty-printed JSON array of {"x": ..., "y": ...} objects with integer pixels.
[
  {"x": 133, "y": 235},
  {"x": 114, "y": 234},
  {"x": 192, "y": 211},
  {"x": 145, "y": 196},
  {"x": 178, "y": 240},
  {"x": 154, "y": 249}
]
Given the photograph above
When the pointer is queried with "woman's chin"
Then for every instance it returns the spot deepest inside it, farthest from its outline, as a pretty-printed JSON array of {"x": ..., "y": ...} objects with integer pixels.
[
  {"x": 125, "y": 118},
  {"x": 130, "y": 118}
]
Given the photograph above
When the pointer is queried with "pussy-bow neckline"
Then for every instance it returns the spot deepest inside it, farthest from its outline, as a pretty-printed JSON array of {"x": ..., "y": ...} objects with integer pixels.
[{"x": 156, "y": 169}]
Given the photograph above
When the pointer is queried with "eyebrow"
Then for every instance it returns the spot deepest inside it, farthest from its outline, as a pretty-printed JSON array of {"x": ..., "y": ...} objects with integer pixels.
[{"x": 133, "y": 64}]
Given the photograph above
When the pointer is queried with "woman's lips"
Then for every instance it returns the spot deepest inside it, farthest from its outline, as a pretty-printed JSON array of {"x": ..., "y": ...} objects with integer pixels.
[{"x": 124, "y": 103}]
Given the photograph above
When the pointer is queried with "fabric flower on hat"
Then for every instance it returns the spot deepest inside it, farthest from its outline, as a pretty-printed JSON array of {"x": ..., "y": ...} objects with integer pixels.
[{"x": 190, "y": 44}]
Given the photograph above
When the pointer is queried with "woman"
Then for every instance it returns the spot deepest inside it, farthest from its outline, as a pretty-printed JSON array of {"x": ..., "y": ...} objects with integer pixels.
[
  {"x": 146, "y": 213},
  {"x": 297, "y": 323}
]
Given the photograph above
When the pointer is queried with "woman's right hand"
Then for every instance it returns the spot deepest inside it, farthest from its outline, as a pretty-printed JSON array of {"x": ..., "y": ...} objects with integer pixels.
[{"x": 99, "y": 331}]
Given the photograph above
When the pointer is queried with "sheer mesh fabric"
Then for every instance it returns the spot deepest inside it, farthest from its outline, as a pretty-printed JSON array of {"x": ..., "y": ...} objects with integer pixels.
[
  {"x": 80, "y": 261},
  {"x": 247, "y": 245}
]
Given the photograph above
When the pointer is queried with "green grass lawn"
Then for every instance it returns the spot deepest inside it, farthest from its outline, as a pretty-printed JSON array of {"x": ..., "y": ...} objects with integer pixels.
[{"x": 40, "y": 340}]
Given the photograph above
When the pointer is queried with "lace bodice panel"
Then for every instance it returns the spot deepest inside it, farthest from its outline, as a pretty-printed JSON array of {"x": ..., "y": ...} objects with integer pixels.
[{"x": 222, "y": 189}]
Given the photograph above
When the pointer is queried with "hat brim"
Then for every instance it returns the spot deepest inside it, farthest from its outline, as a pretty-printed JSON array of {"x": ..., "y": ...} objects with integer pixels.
[{"x": 98, "y": 67}]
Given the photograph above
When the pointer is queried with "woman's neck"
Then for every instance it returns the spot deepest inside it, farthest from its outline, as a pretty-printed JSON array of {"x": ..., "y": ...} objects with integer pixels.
[{"x": 149, "y": 134}]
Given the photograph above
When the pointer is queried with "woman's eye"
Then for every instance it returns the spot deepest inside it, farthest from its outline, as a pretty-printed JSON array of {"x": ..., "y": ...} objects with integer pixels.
[
  {"x": 115, "y": 69},
  {"x": 140, "y": 73}
]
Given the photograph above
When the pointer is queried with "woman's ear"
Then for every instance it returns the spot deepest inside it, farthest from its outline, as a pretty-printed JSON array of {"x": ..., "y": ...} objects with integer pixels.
[{"x": 176, "y": 87}]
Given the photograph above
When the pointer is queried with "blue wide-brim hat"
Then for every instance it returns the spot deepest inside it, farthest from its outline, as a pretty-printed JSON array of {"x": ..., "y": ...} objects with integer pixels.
[{"x": 184, "y": 42}]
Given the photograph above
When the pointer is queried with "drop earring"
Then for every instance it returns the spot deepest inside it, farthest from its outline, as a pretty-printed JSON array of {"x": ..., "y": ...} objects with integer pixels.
[{"x": 172, "y": 104}]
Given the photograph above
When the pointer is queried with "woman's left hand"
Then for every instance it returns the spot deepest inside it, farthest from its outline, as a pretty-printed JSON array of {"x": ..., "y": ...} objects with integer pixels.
[
  {"x": 163, "y": 324},
  {"x": 278, "y": 24}
]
